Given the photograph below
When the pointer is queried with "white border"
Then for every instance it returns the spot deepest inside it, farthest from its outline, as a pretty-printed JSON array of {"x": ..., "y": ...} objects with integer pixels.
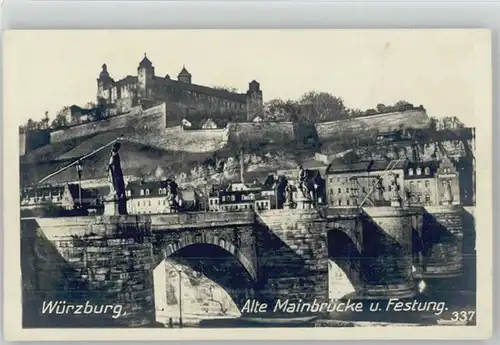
[{"x": 207, "y": 14}]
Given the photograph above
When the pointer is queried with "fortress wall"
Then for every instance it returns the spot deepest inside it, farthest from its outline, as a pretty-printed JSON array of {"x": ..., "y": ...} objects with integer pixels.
[
  {"x": 382, "y": 122},
  {"x": 151, "y": 117},
  {"x": 177, "y": 139},
  {"x": 262, "y": 132}
]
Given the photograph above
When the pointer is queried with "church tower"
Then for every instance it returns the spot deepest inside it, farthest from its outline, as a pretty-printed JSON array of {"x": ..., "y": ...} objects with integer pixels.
[
  {"x": 145, "y": 78},
  {"x": 184, "y": 76}
]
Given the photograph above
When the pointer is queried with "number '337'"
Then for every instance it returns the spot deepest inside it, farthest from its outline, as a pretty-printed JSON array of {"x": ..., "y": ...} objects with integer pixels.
[{"x": 462, "y": 315}]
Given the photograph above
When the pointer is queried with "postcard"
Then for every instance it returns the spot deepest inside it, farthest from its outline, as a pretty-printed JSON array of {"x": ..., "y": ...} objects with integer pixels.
[{"x": 207, "y": 184}]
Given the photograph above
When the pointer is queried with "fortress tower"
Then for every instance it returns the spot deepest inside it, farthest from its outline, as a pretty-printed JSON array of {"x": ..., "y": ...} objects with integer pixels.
[
  {"x": 255, "y": 105},
  {"x": 145, "y": 78}
]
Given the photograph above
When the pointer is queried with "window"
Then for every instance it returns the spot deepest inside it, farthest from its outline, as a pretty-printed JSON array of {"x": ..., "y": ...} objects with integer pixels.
[
  {"x": 149, "y": 203},
  {"x": 159, "y": 202},
  {"x": 389, "y": 188},
  {"x": 347, "y": 190},
  {"x": 427, "y": 198},
  {"x": 347, "y": 202},
  {"x": 331, "y": 190},
  {"x": 412, "y": 185},
  {"x": 142, "y": 191},
  {"x": 419, "y": 171},
  {"x": 147, "y": 191},
  {"x": 427, "y": 171},
  {"x": 410, "y": 172},
  {"x": 340, "y": 202},
  {"x": 419, "y": 184},
  {"x": 426, "y": 184},
  {"x": 211, "y": 202},
  {"x": 340, "y": 190},
  {"x": 363, "y": 189}
]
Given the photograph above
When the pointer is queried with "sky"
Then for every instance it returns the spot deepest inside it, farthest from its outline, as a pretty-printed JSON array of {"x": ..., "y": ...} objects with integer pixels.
[{"x": 443, "y": 70}]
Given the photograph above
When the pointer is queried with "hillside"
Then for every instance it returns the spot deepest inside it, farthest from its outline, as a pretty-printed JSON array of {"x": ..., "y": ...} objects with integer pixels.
[{"x": 151, "y": 150}]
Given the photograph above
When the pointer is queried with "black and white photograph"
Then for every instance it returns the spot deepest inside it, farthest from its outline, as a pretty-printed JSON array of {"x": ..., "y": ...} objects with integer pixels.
[{"x": 233, "y": 180}]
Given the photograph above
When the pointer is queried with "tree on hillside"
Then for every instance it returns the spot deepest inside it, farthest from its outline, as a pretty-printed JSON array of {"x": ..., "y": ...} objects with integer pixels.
[
  {"x": 451, "y": 123},
  {"x": 381, "y": 108},
  {"x": 355, "y": 112},
  {"x": 321, "y": 106},
  {"x": 60, "y": 120},
  {"x": 279, "y": 110}
]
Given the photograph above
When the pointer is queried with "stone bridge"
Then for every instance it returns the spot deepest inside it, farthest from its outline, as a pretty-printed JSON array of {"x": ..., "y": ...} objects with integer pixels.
[{"x": 368, "y": 253}]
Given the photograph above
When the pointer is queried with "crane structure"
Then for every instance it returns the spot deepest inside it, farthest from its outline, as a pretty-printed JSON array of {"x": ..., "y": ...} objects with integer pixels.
[
  {"x": 79, "y": 160},
  {"x": 388, "y": 169}
]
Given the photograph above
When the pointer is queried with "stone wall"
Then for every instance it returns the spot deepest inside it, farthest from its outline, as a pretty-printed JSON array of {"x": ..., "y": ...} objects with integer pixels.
[
  {"x": 186, "y": 220},
  {"x": 382, "y": 122},
  {"x": 152, "y": 117},
  {"x": 177, "y": 139},
  {"x": 261, "y": 132},
  {"x": 99, "y": 261}
]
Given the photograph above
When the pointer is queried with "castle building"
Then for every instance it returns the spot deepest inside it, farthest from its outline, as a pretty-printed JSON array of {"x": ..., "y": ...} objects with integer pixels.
[{"x": 147, "y": 87}]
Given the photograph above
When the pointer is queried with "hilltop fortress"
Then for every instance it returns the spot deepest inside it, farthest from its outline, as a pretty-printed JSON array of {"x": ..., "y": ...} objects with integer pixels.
[
  {"x": 155, "y": 109},
  {"x": 147, "y": 88}
]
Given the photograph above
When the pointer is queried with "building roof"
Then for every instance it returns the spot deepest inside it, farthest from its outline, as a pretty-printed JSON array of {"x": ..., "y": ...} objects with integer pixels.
[
  {"x": 218, "y": 93},
  {"x": 432, "y": 165},
  {"x": 135, "y": 187},
  {"x": 209, "y": 122},
  {"x": 184, "y": 71},
  {"x": 365, "y": 166},
  {"x": 145, "y": 62},
  {"x": 126, "y": 81},
  {"x": 198, "y": 122},
  {"x": 87, "y": 193}
]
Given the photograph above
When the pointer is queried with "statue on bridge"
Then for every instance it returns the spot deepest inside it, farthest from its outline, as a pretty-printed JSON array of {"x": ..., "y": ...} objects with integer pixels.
[
  {"x": 302, "y": 183},
  {"x": 115, "y": 177},
  {"x": 288, "y": 196}
]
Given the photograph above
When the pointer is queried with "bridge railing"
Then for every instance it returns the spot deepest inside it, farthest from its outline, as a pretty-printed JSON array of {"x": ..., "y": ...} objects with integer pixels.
[{"x": 179, "y": 220}]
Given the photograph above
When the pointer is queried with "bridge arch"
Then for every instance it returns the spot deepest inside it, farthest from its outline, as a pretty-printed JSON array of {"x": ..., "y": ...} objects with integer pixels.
[
  {"x": 345, "y": 265},
  {"x": 210, "y": 239},
  {"x": 217, "y": 277}
]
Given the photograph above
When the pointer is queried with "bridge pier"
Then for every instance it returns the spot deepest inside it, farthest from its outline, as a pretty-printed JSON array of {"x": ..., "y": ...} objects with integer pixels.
[
  {"x": 387, "y": 249},
  {"x": 442, "y": 238},
  {"x": 293, "y": 263},
  {"x": 103, "y": 261}
]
